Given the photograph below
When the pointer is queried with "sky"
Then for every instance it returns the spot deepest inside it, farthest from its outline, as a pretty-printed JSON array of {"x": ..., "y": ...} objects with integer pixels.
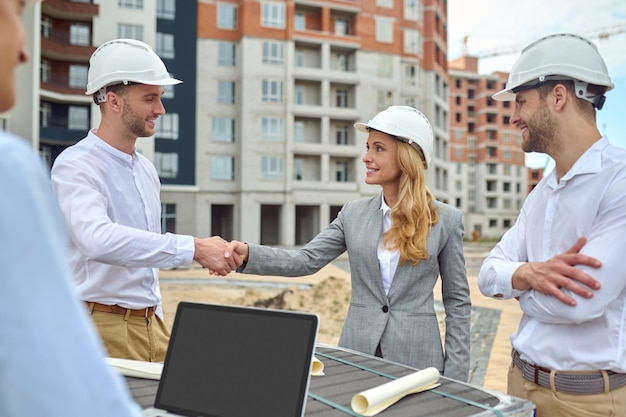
[{"x": 502, "y": 25}]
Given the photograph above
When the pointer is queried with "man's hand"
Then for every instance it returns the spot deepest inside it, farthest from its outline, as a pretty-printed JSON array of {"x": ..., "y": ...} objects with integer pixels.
[
  {"x": 212, "y": 253},
  {"x": 240, "y": 248},
  {"x": 559, "y": 272}
]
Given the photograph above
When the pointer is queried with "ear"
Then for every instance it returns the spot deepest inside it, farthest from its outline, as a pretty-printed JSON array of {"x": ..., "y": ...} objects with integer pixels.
[
  {"x": 114, "y": 101},
  {"x": 560, "y": 95}
]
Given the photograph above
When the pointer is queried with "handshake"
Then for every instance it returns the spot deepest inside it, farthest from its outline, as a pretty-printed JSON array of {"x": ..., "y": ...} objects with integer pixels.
[{"x": 219, "y": 256}]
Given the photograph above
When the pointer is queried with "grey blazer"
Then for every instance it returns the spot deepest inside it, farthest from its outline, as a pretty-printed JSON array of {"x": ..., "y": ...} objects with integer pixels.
[{"x": 404, "y": 321}]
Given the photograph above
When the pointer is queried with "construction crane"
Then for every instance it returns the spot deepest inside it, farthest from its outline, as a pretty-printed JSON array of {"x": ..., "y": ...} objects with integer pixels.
[{"x": 600, "y": 34}]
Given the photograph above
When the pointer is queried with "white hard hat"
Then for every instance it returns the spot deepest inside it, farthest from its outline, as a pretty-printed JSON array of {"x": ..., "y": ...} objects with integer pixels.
[
  {"x": 405, "y": 124},
  {"x": 558, "y": 57},
  {"x": 124, "y": 61}
]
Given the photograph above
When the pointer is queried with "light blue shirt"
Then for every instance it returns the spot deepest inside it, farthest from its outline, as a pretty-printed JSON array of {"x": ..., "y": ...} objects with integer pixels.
[{"x": 51, "y": 359}]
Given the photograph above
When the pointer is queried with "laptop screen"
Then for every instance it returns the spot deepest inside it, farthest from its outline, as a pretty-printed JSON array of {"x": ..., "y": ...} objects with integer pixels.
[{"x": 227, "y": 361}]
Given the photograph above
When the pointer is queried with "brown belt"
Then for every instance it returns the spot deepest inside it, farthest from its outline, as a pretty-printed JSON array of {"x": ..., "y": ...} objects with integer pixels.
[
  {"x": 115, "y": 309},
  {"x": 572, "y": 383}
]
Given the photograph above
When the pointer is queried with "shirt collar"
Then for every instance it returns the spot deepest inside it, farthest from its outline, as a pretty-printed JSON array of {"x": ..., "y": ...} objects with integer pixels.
[
  {"x": 98, "y": 141},
  {"x": 383, "y": 206},
  {"x": 589, "y": 162}
]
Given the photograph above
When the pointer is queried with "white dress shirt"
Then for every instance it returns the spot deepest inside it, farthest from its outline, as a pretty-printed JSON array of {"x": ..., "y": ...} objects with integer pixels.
[
  {"x": 589, "y": 201},
  {"x": 51, "y": 359},
  {"x": 388, "y": 260},
  {"x": 112, "y": 207}
]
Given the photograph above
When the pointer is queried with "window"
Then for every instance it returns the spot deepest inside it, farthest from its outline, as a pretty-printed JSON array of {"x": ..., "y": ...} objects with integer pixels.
[
  {"x": 299, "y": 58},
  {"x": 300, "y": 21},
  {"x": 384, "y": 3},
  {"x": 299, "y": 94},
  {"x": 78, "y": 118},
  {"x": 273, "y": 52},
  {"x": 411, "y": 41},
  {"x": 46, "y": 26},
  {"x": 165, "y": 45},
  {"x": 273, "y": 15},
  {"x": 271, "y": 167},
  {"x": 342, "y": 27},
  {"x": 272, "y": 129},
  {"x": 130, "y": 31},
  {"x": 298, "y": 131},
  {"x": 493, "y": 223},
  {"x": 298, "y": 168},
  {"x": 341, "y": 98},
  {"x": 166, "y": 9},
  {"x": 410, "y": 75},
  {"x": 223, "y": 129},
  {"x": 80, "y": 34},
  {"x": 225, "y": 92},
  {"x": 222, "y": 168},
  {"x": 45, "y": 114},
  {"x": 342, "y": 135},
  {"x": 492, "y": 202},
  {"x": 411, "y": 9},
  {"x": 226, "y": 54},
  {"x": 272, "y": 91},
  {"x": 45, "y": 70},
  {"x": 168, "y": 218},
  {"x": 226, "y": 16},
  {"x": 130, "y": 4},
  {"x": 166, "y": 164},
  {"x": 341, "y": 171},
  {"x": 384, "y": 29},
  {"x": 78, "y": 76},
  {"x": 342, "y": 62},
  {"x": 168, "y": 91},
  {"x": 167, "y": 126}
]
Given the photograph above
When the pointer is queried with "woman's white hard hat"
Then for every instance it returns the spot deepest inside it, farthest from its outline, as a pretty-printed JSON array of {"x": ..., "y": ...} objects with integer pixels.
[
  {"x": 125, "y": 61},
  {"x": 405, "y": 124},
  {"x": 561, "y": 56}
]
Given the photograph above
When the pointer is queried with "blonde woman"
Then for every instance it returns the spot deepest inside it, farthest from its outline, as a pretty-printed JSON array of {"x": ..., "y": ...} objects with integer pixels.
[{"x": 399, "y": 244}]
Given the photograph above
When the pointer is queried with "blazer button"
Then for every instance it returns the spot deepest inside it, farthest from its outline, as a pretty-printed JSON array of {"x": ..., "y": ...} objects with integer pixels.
[{"x": 385, "y": 309}]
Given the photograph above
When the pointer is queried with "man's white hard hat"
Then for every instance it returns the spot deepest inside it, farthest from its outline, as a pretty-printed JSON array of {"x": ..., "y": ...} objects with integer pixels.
[
  {"x": 561, "y": 56},
  {"x": 125, "y": 61}
]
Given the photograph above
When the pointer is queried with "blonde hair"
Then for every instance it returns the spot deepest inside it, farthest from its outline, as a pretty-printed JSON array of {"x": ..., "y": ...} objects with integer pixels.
[{"x": 415, "y": 212}]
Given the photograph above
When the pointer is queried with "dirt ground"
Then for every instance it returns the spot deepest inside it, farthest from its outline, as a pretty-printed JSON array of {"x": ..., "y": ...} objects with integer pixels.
[{"x": 326, "y": 293}]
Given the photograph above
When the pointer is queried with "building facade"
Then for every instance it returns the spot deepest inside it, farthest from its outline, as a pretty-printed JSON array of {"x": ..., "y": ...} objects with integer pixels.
[
  {"x": 258, "y": 142},
  {"x": 280, "y": 85},
  {"x": 489, "y": 176}
]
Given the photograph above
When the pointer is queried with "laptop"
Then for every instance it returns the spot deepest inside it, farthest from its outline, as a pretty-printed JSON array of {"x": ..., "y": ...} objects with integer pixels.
[{"x": 232, "y": 361}]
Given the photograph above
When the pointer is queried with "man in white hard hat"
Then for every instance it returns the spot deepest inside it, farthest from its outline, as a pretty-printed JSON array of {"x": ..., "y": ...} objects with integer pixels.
[
  {"x": 563, "y": 258},
  {"x": 51, "y": 359},
  {"x": 110, "y": 196}
]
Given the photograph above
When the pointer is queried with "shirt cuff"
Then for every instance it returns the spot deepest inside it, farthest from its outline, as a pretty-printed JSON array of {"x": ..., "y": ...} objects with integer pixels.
[
  {"x": 186, "y": 249},
  {"x": 504, "y": 279}
]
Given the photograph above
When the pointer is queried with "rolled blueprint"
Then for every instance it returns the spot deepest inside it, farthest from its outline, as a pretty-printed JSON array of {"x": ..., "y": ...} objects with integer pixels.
[
  {"x": 375, "y": 400},
  {"x": 317, "y": 367}
]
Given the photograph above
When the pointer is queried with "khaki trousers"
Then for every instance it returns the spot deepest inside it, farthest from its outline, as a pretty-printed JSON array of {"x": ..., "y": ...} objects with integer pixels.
[
  {"x": 132, "y": 337},
  {"x": 551, "y": 403}
]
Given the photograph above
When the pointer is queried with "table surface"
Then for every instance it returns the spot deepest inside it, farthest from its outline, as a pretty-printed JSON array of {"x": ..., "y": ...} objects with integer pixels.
[{"x": 349, "y": 372}]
